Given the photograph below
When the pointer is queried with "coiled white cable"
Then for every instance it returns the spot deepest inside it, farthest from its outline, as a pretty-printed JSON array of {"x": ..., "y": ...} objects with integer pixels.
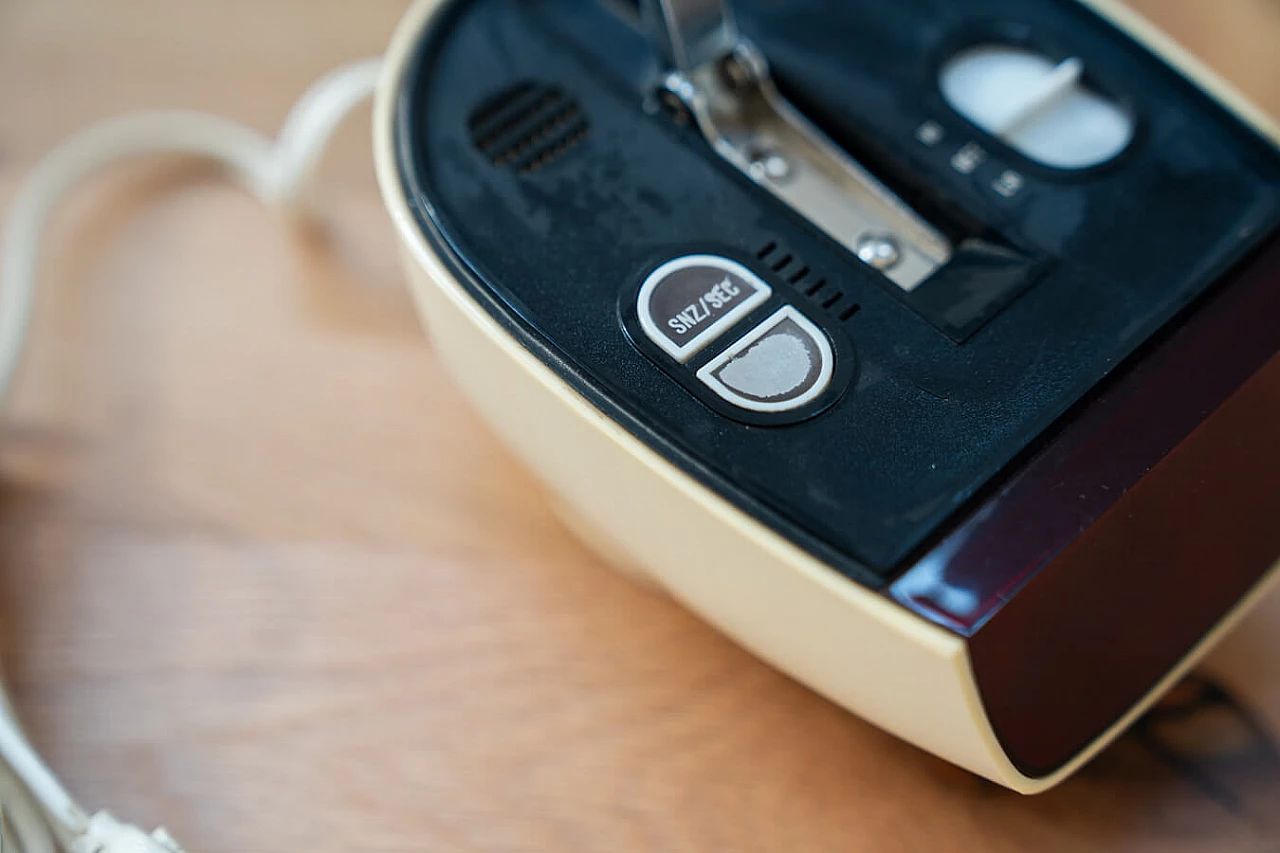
[
  {"x": 37, "y": 813},
  {"x": 276, "y": 172}
]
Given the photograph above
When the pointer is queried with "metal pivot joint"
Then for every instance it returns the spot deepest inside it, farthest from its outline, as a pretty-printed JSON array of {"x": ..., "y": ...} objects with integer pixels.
[{"x": 724, "y": 83}]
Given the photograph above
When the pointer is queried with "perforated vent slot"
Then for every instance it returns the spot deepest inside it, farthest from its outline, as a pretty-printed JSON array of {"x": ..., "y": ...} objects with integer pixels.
[
  {"x": 827, "y": 296},
  {"x": 527, "y": 126}
]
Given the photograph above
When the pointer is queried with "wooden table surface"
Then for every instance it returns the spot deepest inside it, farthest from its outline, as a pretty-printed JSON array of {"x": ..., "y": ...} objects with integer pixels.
[{"x": 265, "y": 579}]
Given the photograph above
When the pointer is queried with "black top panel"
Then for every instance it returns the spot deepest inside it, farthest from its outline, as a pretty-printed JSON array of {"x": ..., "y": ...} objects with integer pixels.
[{"x": 532, "y": 150}]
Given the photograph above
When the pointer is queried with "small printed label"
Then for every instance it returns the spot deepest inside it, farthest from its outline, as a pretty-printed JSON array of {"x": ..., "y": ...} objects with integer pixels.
[
  {"x": 968, "y": 158},
  {"x": 1009, "y": 183},
  {"x": 930, "y": 133},
  {"x": 687, "y": 302},
  {"x": 710, "y": 304}
]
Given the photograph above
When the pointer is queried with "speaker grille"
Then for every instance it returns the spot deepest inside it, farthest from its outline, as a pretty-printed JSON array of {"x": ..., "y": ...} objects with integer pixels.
[
  {"x": 828, "y": 297},
  {"x": 527, "y": 126}
]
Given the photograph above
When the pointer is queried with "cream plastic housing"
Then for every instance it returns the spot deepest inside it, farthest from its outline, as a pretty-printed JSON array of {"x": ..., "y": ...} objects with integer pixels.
[{"x": 770, "y": 596}]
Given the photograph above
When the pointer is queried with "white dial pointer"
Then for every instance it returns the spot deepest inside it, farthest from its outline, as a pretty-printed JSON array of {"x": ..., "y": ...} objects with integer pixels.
[{"x": 1040, "y": 108}]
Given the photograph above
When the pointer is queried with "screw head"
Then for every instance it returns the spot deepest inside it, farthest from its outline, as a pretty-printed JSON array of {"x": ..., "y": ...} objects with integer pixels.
[
  {"x": 736, "y": 73},
  {"x": 770, "y": 165},
  {"x": 671, "y": 104},
  {"x": 879, "y": 251}
]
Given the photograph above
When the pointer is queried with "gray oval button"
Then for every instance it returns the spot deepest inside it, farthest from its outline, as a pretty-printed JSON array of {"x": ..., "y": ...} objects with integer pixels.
[
  {"x": 781, "y": 364},
  {"x": 688, "y": 302}
]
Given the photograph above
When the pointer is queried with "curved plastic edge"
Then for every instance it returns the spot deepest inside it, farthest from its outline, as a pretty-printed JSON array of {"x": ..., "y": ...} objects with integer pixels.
[
  {"x": 1190, "y": 66},
  {"x": 791, "y": 610}
]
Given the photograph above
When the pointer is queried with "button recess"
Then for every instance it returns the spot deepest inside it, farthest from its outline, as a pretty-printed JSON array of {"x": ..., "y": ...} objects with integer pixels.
[
  {"x": 781, "y": 364},
  {"x": 690, "y": 301}
]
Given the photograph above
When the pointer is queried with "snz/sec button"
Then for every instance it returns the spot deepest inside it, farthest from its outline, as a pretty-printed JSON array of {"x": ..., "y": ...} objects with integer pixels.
[{"x": 690, "y": 301}]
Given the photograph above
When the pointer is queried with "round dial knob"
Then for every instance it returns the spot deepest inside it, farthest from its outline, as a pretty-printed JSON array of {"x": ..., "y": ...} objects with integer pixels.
[{"x": 1039, "y": 107}]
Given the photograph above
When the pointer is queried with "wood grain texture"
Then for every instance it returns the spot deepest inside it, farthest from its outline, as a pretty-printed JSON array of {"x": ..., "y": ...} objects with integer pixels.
[{"x": 264, "y": 577}]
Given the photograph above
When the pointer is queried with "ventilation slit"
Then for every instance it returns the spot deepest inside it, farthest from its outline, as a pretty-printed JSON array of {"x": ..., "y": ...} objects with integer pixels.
[
  {"x": 527, "y": 126},
  {"x": 830, "y": 300},
  {"x": 516, "y": 111},
  {"x": 848, "y": 313},
  {"x": 497, "y": 104}
]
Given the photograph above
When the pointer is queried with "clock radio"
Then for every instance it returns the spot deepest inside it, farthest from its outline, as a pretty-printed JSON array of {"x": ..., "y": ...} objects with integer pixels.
[{"x": 929, "y": 350}]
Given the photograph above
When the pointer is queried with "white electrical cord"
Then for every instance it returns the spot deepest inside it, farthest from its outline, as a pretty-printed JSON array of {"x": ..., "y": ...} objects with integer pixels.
[
  {"x": 36, "y": 812},
  {"x": 276, "y": 172}
]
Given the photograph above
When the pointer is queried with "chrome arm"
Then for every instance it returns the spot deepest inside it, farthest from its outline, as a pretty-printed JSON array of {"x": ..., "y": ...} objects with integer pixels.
[
  {"x": 724, "y": 83},
  {"x": 690, "y": 33}
]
